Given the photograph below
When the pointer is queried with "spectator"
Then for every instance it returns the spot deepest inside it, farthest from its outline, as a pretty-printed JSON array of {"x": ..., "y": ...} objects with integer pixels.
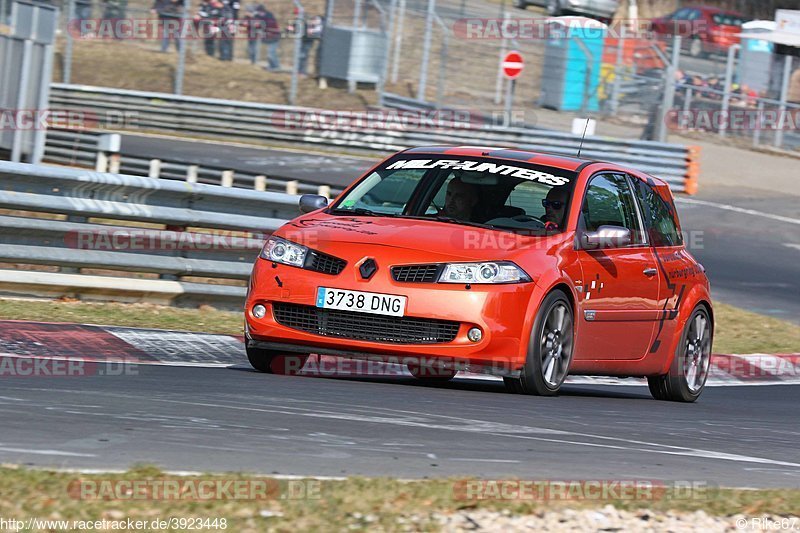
[
  {"x": 227, "y": 30},
  {"x": 272, "y": 36},
  {"x": 83, "y": 11},
  {"x": 254, "y": 31},
  {"x": 114, "y": 9},
  {"x": 207, "y": 20},
  {"x": 312, "y": 34},
  {"x": 169, "y": 15}
]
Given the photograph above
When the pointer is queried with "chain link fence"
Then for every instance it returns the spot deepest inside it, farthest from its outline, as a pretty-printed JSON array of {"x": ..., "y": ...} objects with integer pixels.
[{"x": 447, "y": 54}]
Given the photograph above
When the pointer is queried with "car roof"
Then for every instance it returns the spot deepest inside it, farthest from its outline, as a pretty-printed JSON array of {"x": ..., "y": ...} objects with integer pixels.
[{"x": 562, "y": 162}]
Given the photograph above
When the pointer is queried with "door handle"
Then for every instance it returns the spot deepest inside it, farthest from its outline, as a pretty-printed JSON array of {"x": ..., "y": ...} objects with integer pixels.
[{"x": 649, "y": 272}]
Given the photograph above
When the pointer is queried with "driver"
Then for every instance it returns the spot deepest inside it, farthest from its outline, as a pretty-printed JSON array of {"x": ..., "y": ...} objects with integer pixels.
[
  {"x": 460, "y": 199},
  {"x": 555, "y": 205}
]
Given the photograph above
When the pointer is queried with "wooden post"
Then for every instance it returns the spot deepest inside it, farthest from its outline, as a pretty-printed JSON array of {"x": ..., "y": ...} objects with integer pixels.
[
  {"x": 227, "y": 178},
  {"x": 155, "y": 168},
  {"x": 260, "y": 183}
]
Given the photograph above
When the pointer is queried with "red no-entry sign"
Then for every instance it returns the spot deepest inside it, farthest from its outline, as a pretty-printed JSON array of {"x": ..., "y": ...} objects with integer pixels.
[{"x": 512, "y": 65}]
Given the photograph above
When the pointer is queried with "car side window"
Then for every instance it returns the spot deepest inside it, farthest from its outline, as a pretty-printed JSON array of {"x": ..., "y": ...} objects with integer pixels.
[
  {"x": 609, "y": 202},
  {"x": 659, "y": 216},
  {"x": 680, "y": 14}
]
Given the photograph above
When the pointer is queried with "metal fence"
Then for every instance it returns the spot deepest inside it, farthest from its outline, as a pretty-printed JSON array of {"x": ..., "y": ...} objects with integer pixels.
[
  {"x": 176, "y": 242},
  {"x": 677, "y": 164}
]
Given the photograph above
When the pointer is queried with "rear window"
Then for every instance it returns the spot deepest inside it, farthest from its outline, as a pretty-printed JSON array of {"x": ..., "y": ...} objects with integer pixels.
[{"x": 727, "y": 19}]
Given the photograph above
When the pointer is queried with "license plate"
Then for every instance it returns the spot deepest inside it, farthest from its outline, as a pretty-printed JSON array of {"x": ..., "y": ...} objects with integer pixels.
[{"x": 362, "y": 302}]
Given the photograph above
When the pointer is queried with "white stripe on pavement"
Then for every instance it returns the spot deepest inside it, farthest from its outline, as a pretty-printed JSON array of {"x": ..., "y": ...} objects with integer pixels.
[{"x": 727, "y": 207}]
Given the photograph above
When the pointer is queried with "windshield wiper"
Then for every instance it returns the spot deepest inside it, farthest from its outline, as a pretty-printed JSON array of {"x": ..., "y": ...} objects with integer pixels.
[
  {"x": 361, "y": 212},
  {"x": 448, "y": 220}
]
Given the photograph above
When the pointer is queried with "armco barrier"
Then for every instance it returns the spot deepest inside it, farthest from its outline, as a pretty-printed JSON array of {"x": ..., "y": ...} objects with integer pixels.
[
  {"x": 79, "y": 149},
  {"x": 186, "y": 243},
  {"x": 244, "y": 121}
]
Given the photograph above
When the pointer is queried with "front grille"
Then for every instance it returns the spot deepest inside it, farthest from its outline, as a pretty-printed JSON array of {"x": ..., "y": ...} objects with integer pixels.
[
  {"x": 364, "y": 326},
  {"x": 416, "y": 273},
  {"x": 327, "y": 264}
]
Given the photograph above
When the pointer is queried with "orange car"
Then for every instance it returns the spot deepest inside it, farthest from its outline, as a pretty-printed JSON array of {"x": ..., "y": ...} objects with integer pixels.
[{"x": 523, "y": 265}]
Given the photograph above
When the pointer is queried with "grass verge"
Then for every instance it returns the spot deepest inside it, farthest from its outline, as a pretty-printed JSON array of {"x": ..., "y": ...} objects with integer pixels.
[
  {"x": 333, "y": 505},
  {"x": 737, "y": 330}
]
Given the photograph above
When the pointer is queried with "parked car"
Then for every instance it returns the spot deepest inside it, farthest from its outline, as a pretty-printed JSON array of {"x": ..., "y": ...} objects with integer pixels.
[
  {"x": 600, "y": 9},
  {"x": 517, "y": 264},
  {"x": 705, "y": 30}
]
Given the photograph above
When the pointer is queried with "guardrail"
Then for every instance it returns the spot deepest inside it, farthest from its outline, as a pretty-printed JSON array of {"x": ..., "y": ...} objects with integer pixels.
[
  {"x": 177, "y": 243},
  {"x": 80, "y": 149},
  {"x": 231, "y": 120}
]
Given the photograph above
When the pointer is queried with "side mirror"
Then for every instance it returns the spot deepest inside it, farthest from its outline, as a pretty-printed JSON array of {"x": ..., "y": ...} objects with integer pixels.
[
  {"x": 606, "y": 237},
  {"x": 312, "y": 202}
]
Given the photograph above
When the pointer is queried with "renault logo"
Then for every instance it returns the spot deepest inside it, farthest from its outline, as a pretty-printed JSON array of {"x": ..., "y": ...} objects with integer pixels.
[{"x": 368, "y": 268}]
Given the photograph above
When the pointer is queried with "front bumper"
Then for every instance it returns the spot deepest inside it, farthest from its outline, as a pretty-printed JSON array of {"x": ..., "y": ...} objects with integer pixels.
[{"x": 498, "y": 310}]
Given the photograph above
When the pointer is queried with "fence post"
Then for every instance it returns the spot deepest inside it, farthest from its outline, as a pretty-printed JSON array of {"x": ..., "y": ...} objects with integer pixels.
[
  {"x": 442, "y": 70},
  {"x": 726, "y": 97},
  {"x": 385, "y": 67},
  {"x": 426, "y": 51},
  {"x": 191, "y": 173},
  {"x": 398, "y": 41},
  {"x": 155, "y": 168},
  {"x": 615, "y": 88},
  {"x": 260, "y": 183},
  {"x": 66, "y": 74},
  {"x": 759, "y": 123},
  {"x": 182, "y": 48},
  {"x": 324, "y": 190},
  {"x": 787, "y": 73},
  {"x": 227, "y": 178},
  {"x": 300, "y": 29},
  {"x": 291, "y": 187},
  {"x": 669, "y": 91},
  {"x": 498, "y": 85}
]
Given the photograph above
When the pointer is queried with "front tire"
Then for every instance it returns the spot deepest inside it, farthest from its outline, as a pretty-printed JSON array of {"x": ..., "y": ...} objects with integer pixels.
[
  {"x": 549, "y": 350},
  {"x": 689, "y": 371},
  {"x": 272, "y": 362}
]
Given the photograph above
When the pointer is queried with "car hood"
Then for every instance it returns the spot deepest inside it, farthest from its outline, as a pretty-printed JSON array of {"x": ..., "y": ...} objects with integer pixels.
[{"x": 434, "y": 241}]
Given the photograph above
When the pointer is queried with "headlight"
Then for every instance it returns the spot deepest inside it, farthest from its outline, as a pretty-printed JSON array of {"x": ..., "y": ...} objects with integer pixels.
[
  {"x": 500, "y": 272},
  {"x": 283, "y": 251}
]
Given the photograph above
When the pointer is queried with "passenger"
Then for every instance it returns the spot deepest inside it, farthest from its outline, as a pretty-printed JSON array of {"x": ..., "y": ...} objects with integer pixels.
[{"x": 460, "y": 199}]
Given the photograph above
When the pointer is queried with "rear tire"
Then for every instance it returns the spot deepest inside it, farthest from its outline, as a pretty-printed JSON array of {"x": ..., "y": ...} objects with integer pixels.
[
  {"x": 549, "y": 350},
  {"x": 272, "y": 362},
  {"x": 690, "y": 365}
]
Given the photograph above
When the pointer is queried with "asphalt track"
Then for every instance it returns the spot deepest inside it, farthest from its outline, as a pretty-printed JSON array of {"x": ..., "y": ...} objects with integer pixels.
[
  {"x": 751, "y": 260},
  {"x": 234, "y": 419}
]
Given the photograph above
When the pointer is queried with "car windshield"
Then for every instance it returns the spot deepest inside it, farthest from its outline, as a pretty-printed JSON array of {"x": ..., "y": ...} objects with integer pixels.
[{"x": 506, "y": 195}]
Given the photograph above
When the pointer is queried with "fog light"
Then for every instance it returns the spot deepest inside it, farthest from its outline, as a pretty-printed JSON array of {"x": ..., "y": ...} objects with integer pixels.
[
  {"x": 474, "y": 334},
  {"x": 259, "y": 311}
]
